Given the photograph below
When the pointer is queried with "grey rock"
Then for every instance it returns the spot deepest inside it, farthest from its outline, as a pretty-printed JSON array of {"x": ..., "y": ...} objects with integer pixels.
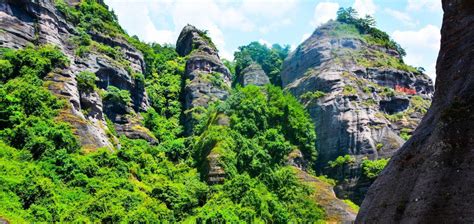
[
  {"x": 26, "y": 22},
  {"x": 253, "y": 75},
  {"x": 352, "y": 116},
  {"x": 430, "y": 179},
  {"x": 207, "y": 79}
]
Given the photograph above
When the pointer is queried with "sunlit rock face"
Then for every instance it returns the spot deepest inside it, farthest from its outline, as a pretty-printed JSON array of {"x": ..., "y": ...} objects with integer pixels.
[
  {"x": 27, "y": 22},
  {"x": 207, "y": 80},
  {"x": 430, "y": 179},
  {"x": 360, "y": 106}
]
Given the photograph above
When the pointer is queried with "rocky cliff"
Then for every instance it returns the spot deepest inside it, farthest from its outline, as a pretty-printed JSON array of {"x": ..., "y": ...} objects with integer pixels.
[
  {"x": 430, "y": 179},
  {"x": 361, "y": 96},
  {"x": 113, "y": 60},
  {"x": 206, "y": 78},
  {"x": 253, "y": 75}
]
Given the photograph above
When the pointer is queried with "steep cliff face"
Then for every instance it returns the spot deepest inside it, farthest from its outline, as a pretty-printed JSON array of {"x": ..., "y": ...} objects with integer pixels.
[
  {"x": 430, "y": 179},
  {"x": 360, "y": 95},
  {"x": 40, "y": 22},
  {"x": 207, "y": 80}
]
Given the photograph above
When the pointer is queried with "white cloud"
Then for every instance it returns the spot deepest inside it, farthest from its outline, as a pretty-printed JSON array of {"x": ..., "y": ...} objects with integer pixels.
[
  {"x": 432, "y": 5},
  {"x": 146, "y": 30},
  {"x": 305, "y": 36},
  {"x": 364, "y": 7},
  {"x": 323, "y": 12},
  {"x": 268, "y": 8},
  {"x": 401, "y": 16},
  {"x": 264, "y": 42},
  {"x": 421, "y": 45}
]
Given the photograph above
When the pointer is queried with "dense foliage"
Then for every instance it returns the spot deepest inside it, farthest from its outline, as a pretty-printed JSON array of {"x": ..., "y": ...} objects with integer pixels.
[
  {"x": 366, "y": 25},
  {"x": 270, "y": 59},
  {"x": 372, "y": 168},
  {"x": 253, "y": 131},
  {"x": 46, "y": 177}
]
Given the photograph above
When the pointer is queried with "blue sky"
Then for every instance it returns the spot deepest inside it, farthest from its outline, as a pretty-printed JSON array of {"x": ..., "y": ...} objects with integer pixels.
[{"x": 414, "y": 24}]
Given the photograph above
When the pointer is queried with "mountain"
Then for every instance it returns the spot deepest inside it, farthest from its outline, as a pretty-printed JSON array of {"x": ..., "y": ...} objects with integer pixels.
[
  {"x": 363, "y": 99},
  {"x": 98, "y": 126},
  {"x": 105, "y": 52},
  {"x": 428, "y": 180}
]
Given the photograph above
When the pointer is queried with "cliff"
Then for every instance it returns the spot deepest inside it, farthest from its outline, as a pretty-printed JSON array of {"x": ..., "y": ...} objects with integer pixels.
[
  {"x": 361, "y": 96},
  {"x": 114, "y": 61},
  {"x": 430, "y": 179},
  {"x": 206, "y": 78}
]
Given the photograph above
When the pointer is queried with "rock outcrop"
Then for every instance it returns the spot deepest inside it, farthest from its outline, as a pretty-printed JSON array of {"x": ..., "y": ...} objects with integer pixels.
[
  {"x": 207, "y": 79},
  {"x": 40, "y": 22},
  {"x": 253, "y": 75},
  {"x": 360, "y": 104},
  {"x": 430, "y": 179}
]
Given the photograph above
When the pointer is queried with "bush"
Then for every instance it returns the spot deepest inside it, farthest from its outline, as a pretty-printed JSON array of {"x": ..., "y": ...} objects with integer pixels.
[
  {"x": 86, "y": 80},
  {"x": 118, "y": 96},
  {"x": 372, "y": 168}
]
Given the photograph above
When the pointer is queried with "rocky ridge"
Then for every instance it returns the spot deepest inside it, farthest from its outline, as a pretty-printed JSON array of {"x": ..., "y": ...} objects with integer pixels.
[
  {"x": 40, "y": 22},
  {"x": 207, "y": 79},
  {"x": 430, "y": 179},
  {"x": 360, "y": 96}
]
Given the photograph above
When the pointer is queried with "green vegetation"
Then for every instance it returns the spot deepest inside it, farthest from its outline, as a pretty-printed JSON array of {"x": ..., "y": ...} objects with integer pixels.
[
  {"x": 366, "y": 26},
  {"x": 419, "y": 104},
  {"x": 46, "y": 177},
  {"x": 86, "y": 80},
  {"x": 349, "y": 90},
  {"x": 372, "y": 168},
  {"x": 341, "y": 161},
  {"x": 118, "y": 96},
  {"x": 404, "y": 134},
  {"x": 270, "y": 59},
  {"x": 379, "y": 146},
  {"x": 352, "y": 205},
  {"x": 312, "y": 95}
]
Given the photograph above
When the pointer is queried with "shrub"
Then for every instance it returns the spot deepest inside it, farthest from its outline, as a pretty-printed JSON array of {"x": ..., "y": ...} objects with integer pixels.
[
  {"x": 372, "y": 168},
  {"x": 117, "y": 96},
  {"x": 86, "y": 80},
  {"x": 312, "y": 95}
]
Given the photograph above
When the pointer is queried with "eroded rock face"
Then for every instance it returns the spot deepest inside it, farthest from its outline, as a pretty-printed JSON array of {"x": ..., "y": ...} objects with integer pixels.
[
  {"x": 357, "y": 110},
  {"x": 430, "y": 179},
  {"x": 207, "y": 80},
  {"x": 253, "y": 75},
  {"x": 26, "y": 22}
]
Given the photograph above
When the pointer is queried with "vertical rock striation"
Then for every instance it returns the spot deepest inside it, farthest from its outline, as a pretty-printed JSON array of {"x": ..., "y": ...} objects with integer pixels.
[
  {"x": 206, "y": 78},
  {"x": 26, "y": 22},
  {"x": 361, "y": 97},
  {"x": 430, "y": 178}
]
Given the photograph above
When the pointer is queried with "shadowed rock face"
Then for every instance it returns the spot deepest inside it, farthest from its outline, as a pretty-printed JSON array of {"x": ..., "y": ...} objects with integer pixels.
[
  {"x": 26, "y": 22},
  {"x": 430, "y": 179},
  {"x": 358, "y": 113}
]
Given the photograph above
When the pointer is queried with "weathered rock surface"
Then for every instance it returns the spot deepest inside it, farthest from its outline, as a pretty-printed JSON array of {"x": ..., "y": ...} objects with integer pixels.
[
  {"x": 336, "y": 210},
  {"x": 253, "y": 75},
  {"x": 430, "y": 179},
  {"x": 362, "y": 109},
  {"x": 26, "y": 22},
  {"x": 207, "y": 79}
]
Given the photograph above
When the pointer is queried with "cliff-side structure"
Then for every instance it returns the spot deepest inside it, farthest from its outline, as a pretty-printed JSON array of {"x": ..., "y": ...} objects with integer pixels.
[
  {"x": 430, "y": 179},
  {"x": 113, "y": 60},
  {"x": 361, "y": 96}
]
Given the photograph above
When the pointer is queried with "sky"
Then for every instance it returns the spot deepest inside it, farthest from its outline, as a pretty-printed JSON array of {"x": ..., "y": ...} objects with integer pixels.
[{"x": 414, "y": 24}]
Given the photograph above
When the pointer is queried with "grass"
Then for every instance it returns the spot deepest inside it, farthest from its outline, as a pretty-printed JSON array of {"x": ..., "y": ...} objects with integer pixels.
[
  {"x": 313, "y": 95},
  {"x": 352, "y": 205},
  {"x": 349, "y": 90}
]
